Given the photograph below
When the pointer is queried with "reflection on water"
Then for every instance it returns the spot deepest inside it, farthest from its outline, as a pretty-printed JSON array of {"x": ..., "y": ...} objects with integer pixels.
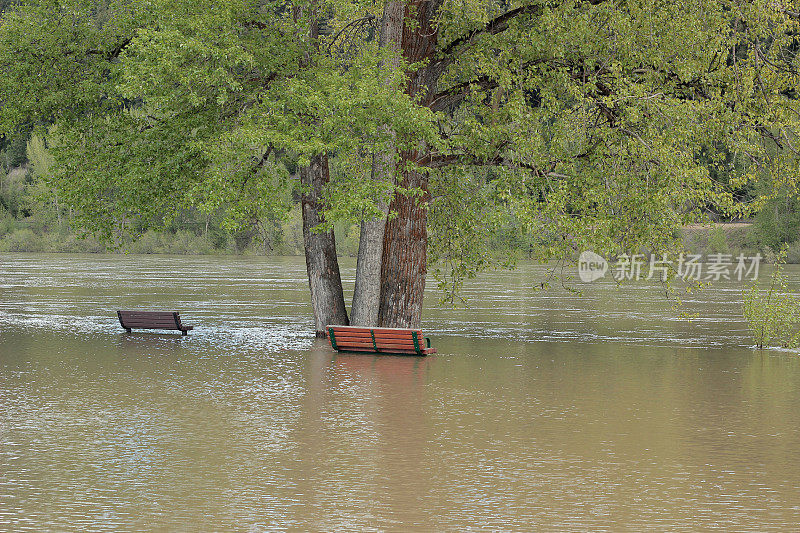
[{"x": 542, "y": 410}]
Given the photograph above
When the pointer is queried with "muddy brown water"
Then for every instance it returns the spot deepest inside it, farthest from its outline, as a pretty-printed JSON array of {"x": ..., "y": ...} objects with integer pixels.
[{"x": 544, "y": 410}]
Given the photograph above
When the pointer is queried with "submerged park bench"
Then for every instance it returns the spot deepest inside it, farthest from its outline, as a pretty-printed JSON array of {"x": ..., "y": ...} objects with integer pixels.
[
  {"x": 152, "y": 320},
  {"x": 395, "y": 341}
]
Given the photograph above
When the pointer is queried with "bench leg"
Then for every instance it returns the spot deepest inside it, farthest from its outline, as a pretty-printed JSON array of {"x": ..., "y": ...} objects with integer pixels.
[{"x": 184, "y": 332}]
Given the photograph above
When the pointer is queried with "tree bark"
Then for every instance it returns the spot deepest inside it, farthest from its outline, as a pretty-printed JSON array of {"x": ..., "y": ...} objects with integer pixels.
[
  {"x": 405, "y": 256},
  {"x": 405, "y": 242},
  {"x": 324, "y": 280},
  {"x": 367, "y": 291}
]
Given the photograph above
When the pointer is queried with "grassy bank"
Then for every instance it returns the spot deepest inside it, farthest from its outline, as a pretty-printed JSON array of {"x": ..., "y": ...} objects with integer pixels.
[
  {"x": 19, "y": 236},
  {"x": 285, "y": 238},
  {"x": 735, "y": 239}
]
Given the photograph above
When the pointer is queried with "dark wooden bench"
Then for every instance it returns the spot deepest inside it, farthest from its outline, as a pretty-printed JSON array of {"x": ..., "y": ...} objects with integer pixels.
[
  {"x": 152, "y": 320},
  {"x": 396, "y": 341}
]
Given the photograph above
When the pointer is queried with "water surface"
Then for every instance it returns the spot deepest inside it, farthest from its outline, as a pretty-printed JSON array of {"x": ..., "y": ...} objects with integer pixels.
[{"x": 543, "y": 410}]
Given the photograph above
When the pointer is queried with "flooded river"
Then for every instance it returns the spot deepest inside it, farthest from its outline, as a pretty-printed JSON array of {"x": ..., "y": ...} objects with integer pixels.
[{"x": 544, "y": 410}]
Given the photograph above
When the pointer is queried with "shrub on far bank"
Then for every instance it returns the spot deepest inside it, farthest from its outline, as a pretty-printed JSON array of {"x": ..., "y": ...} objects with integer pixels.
[
  {"x": 179, "y": 243},
  {"x": 27, "y": 240},
  {"x": 7, "y": 223},
  {"x": 718, "y": 239},
  {"x": 777, "y": 224}
]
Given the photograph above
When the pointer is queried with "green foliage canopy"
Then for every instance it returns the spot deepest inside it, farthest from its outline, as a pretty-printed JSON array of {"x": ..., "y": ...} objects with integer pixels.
[{"x": 586, "y": 124}]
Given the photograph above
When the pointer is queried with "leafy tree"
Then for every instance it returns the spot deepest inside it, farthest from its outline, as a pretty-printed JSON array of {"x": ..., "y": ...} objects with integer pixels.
[
  {"x": 12, "y": 151},
  {"x": 596, "y": 111},
  {"x": 591, "y": 123},
  {"x": 154, "y": 112},
  {"x": 772, "y": 314}
]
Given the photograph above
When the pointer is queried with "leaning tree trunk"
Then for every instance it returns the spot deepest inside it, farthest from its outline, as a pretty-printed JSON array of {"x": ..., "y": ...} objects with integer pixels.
[
  {"x": 327, "y": 298},
  {"x": 324, "y": 280},
  {"x": 367, "y": 290},
  {"x": 405, "y": 241}
]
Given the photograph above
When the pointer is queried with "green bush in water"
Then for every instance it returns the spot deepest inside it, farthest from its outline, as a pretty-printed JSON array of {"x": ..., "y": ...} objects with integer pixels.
[{"x": 773, "y": 315}]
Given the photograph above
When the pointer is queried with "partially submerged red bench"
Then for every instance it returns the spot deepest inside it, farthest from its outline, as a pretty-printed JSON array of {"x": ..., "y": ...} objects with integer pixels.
[
  {"x": 152, "y": 320},
  {"x": 396, "y": 341}
]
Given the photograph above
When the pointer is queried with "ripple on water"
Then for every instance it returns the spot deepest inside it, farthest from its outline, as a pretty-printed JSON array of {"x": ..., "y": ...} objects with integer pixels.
[{"x": 543, "y": 410}]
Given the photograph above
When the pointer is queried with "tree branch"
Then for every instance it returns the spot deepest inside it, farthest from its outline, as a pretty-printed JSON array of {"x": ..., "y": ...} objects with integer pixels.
[
  {"x": 450, "y": 96},
  {"x": 492, "y": 27},
  {"x": 114, "y": 52},
  {"x": 443, "y": 99},
  {"x": 501, "y": 22},
  {"x": 442, "y": 160},
  {"x": 362, "y": 20}
]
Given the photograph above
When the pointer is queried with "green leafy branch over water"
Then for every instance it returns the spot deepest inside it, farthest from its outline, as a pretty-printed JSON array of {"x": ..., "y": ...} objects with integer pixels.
[{"x": 773, "y": 315}]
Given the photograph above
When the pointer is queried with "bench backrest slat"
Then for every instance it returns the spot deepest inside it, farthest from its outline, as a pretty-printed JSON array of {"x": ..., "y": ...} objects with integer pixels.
[
  {"x": 151, "y": 320},
  {"x": 390, "y": 340}
]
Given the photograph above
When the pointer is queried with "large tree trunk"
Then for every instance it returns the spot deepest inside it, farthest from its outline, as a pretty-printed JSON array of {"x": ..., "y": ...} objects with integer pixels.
[
  {"x": 327, "y": 298},
  {"x": 405, "y": 241},
  {"x": 367, "y": 291},
  {"x": 324, "y": 280},
  {"x": 405, "y": 259}
]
